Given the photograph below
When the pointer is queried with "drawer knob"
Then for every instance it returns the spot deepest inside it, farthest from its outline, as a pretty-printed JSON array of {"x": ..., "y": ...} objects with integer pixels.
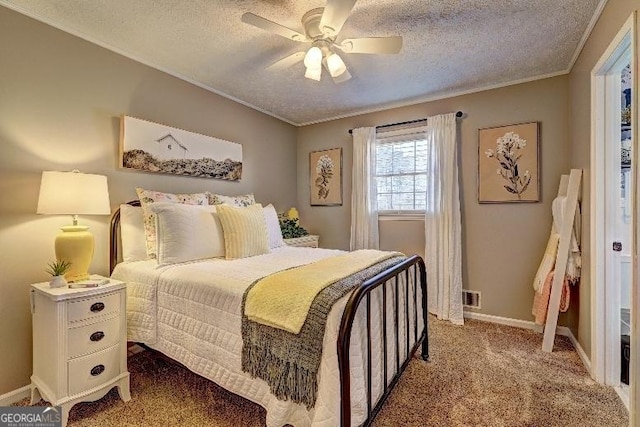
[
  {"x": 97, "y": 370},
  {"x": 96, "y": 336},
  {"x": 97, "y": 307}
]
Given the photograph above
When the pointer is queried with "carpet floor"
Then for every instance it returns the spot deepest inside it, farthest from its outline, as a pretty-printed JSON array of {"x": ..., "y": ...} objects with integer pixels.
[{"x": 480, "y": 374}]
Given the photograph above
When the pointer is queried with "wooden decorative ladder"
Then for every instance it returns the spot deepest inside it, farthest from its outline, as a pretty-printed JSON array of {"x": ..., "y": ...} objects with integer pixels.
[{"x": 569, "y": 187}]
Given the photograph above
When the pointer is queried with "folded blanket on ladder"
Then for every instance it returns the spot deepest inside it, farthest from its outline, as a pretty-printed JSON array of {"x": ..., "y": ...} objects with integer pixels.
[
  {"x": 574, "y": 262},
  {"x": 299, "y": 299},
  {"x": 541, "y": 299}
]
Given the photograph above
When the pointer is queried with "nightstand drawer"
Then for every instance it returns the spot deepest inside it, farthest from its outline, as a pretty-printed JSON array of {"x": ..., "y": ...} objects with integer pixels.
[
  {"x": 93, "y": 307},
  {"x": 93, "y": 337},
  {"x": 94, "y": 370}
]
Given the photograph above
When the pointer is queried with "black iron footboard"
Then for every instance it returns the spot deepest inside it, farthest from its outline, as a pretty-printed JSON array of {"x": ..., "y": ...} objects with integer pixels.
[{"x": 387, "y": 279}]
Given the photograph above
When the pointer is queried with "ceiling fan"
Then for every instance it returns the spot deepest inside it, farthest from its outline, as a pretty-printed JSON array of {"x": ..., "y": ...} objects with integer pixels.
[{"x": 321, "y": 28}]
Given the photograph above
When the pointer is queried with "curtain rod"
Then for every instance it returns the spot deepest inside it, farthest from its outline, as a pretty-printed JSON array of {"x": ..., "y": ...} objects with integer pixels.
[{"x": 458, "y": 114}]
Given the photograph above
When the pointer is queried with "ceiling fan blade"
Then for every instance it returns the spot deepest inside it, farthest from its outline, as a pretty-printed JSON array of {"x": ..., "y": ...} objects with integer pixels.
[
  {"x": 335, "y": 15},
  {"x": 265, "y": 24},
  {"x": 287, "y": 61},
  {"x": 391, "y": 44}
]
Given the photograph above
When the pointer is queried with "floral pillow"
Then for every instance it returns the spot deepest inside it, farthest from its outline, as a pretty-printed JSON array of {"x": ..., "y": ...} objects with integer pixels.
[
  {"x": 237, "y": 201},
  {"x": 148, "y": 197}
]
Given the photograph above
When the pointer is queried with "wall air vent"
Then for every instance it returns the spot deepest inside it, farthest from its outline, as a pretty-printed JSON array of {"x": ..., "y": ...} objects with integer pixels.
[{"x": 471, "y": 299}]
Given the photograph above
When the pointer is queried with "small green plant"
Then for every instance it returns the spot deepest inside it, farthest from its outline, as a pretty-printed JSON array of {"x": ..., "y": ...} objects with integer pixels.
[
  {"x": 58, "y": 267},
  {"x": 291, "y": 228}
]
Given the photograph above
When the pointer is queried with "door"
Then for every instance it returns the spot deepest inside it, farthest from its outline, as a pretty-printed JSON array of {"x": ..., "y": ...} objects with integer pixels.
[{"x": 624, "y": 216}]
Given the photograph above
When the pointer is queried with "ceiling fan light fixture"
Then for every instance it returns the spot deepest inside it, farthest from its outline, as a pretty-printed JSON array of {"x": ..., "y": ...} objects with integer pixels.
[
  {"x": 335, "y": 64},
  {"x": 313, "y": 58},
  {"x": 313, "y": 73},
  {"x": 321, "y": 27},
  {"x": 342, "y": 77}
]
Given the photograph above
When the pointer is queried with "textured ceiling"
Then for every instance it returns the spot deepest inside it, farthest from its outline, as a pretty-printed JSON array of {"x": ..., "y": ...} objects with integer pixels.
[{"x": 450, "y": 46}]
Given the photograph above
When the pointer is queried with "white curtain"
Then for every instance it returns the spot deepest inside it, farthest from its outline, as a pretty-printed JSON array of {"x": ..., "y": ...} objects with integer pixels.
[
  {"x": 364, "y": 214},
  {"x": 443, "y": 249}
]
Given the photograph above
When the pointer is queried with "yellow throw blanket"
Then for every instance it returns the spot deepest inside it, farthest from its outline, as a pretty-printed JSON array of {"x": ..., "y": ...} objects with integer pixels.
[{"x": 282, "y": 300}]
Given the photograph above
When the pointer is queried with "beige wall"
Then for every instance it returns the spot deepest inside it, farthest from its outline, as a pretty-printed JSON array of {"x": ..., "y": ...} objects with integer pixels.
[
  {"x": 614, "y": 15},
  {"x": 502, "y": 244},
  {"x": 60, "y": 102}
]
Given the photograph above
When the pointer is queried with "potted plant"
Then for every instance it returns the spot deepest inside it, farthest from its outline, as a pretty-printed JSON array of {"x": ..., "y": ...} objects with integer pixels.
[
  {"x": 57, "y": 270},
  {"x": 290, "y": 226}
]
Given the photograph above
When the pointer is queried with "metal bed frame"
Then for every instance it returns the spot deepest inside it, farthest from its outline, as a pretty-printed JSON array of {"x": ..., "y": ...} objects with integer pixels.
[{"x": 389, "y": 278}]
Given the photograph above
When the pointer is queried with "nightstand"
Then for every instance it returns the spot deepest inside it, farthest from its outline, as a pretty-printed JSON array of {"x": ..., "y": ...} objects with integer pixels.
[
  {"x": 310, "y": 241},
  {"x": 79, "y": 344}
]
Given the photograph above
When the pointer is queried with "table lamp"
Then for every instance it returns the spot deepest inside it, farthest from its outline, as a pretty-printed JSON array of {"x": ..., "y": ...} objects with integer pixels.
[{"x": 76, "y": 194}]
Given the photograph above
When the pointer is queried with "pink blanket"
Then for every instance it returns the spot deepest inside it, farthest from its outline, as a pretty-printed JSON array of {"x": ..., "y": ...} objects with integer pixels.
[{"x": 541, "y": 299}]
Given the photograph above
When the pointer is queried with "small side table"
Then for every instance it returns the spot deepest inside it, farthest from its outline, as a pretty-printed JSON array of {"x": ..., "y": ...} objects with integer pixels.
[
  {"x": 309, "y": 241},
  {"x": 79, "y": 344}
]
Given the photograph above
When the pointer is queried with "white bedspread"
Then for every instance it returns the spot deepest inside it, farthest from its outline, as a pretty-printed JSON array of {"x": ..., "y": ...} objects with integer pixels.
[{"x": 192, "y": 313}]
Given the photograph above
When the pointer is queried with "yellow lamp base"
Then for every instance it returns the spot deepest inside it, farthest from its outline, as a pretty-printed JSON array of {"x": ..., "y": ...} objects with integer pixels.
[{"x": 75, "y": 245}]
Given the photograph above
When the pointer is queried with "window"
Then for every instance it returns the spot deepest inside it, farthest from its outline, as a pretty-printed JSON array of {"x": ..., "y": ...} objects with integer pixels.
[{"x": 401, "y": 170}]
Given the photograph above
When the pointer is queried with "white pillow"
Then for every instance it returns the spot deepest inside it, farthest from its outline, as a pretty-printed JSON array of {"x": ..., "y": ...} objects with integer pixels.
[
  {"x": 273, "y": 227},
  {"x": 147, "y": 197},
  {"x": 187, "y": 232},
  {"x": 134, "y": 247}
]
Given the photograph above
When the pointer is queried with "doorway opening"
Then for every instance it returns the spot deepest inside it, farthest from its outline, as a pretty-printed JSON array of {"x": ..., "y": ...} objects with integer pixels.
[{"x": 612, "y": 217}]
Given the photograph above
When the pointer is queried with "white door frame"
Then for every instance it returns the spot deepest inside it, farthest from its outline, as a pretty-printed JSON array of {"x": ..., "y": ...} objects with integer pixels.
[
  {"x": 605, "y": 324},
  {"x": 606, "y": 299},
  {"x": 634, "y": 374}
]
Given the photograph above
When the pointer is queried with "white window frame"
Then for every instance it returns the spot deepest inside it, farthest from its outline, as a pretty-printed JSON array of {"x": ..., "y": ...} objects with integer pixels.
[{"x": 398, "y": 215}]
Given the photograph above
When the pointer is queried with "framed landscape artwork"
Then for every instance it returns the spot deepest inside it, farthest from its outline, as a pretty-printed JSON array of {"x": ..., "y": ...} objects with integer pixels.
[
  {"x": 509, "y": 164},
  {"x": 325, "y": 180},
  {"x": 152, "y": 147}
]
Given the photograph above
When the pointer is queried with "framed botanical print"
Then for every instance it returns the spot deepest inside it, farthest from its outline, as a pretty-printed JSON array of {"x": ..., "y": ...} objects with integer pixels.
[
  {"x": 325, "y": 177},
  {"x": 509, "y": 164}
]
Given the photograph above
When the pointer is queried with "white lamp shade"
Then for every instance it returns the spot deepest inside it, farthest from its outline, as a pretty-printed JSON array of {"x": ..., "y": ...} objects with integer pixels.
[
  {"x": 313, "y": 73},
  {"x": 73, "y": 193},
  {"x": 342, "y": 77},
  {"x": 313, "y": 58},
  {"x": 335, "y": 65}
]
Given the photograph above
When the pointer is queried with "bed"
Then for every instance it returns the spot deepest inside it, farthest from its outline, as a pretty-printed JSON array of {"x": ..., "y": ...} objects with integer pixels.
[{"x": 192, "y": 313}]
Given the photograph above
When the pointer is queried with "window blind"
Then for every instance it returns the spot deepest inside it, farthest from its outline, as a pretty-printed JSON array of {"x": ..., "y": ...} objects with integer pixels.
[{"x": 400, "y": 170}]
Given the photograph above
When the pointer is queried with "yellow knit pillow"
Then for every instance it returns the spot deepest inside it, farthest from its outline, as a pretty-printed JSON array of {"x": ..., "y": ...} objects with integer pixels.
[{"x": 245, "y": 231}]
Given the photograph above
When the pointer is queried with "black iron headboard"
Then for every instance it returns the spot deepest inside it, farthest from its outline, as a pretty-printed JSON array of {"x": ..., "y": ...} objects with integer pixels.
[{"x": 113, "y": 236}]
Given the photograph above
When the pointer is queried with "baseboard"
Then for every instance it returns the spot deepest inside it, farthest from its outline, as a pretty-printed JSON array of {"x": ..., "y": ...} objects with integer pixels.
[
  {"x": 566, "y": 332},
  {"x": 507, "y": 321},
  {"x": 623, "y": 394},
  {"x": 15, "y": 395},
  {"x": 527, "y": 324}
]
